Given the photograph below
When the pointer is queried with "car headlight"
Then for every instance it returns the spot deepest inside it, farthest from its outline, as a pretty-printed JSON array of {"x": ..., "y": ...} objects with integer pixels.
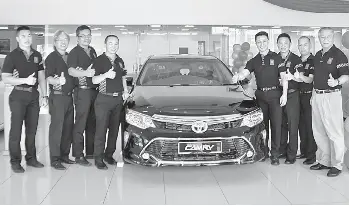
[
  {"x": 252, "y": 119},
  {"x": 139, "y": 120}
]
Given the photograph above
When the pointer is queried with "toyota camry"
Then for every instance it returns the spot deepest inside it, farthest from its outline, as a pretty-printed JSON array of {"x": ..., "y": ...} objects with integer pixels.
[{"x": 184, "y": 110}]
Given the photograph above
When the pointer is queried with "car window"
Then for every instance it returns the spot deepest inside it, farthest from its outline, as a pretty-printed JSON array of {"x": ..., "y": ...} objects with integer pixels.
[{"x": 192, "y": 71}]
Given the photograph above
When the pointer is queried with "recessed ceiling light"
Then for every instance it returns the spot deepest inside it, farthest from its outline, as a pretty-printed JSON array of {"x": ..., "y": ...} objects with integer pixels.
[
  {"x": 189, "y": 26},
  {"x": 245, "y": 26},
  {"x": 155, "y": 26},
  {"x": 119, "y": 26}
]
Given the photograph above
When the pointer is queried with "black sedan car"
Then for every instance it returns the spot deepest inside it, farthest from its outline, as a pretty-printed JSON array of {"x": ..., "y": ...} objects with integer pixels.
[{"x": 185, "y": 111}]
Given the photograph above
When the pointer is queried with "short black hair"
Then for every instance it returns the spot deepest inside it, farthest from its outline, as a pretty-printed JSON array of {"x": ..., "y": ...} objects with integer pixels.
[
  {"x": 261, "y": 33},
  {"x": 81, "y": 28},
  {"x": 284, "y": 35},
  {"x": 110, "y": 35},
  {"x": 22, "y": 28}
]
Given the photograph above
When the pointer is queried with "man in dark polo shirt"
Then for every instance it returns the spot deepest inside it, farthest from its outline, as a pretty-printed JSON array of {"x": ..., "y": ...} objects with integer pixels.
[
  {"x": 112, "y": 87},
  {"x": 307, "y": 143},
  {"x": 80, "y": 61},
  {"x": 267, "y": 68},
  {"x": 331, "y": 70},
  {"x": 23, "y": 68},
  {"x": 290, "y": 112},
  {"x": 61, "y": 102}
]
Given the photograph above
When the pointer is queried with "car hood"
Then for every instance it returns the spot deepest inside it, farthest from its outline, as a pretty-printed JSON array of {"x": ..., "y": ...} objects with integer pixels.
[{"x": 190, "y": 100}]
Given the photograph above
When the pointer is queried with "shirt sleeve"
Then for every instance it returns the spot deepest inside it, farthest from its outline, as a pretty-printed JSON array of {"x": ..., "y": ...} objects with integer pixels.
[
  {"x": 98, "y": 67},
  {"x": 8, "y": 66},
  {"x": 249, "y": 65},
  {"x": 41, "y": 63},
  {"x": 342, "y": 64},
  {"x": 73, "y": 59},
  {"x": 50, "y": 67}
]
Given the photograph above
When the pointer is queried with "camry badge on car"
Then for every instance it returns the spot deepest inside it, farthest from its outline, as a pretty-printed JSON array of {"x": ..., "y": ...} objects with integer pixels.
[{"x": 199, "y": 127}]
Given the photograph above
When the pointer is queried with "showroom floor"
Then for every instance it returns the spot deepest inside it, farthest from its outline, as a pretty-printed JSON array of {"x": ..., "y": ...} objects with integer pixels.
[{"x": 258, "y": 183}]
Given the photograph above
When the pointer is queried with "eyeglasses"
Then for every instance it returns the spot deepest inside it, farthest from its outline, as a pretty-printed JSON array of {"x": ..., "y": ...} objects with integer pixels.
[{"x": 85, "y": 36}]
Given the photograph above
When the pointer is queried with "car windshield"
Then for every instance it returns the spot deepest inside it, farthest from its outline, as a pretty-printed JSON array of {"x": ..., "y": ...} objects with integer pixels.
[{"x": 185, "y": 71}]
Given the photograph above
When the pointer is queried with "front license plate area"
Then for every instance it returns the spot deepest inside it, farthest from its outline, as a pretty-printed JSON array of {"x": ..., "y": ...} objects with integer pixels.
[{"x": 210, "y": 147}]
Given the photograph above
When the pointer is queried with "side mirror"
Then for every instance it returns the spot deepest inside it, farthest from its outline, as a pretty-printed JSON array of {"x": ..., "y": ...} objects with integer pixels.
[{"x": 129, "y": 81}]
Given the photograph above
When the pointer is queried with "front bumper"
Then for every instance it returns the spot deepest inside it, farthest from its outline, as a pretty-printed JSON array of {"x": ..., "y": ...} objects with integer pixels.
[{"x": 163, "y": 151}]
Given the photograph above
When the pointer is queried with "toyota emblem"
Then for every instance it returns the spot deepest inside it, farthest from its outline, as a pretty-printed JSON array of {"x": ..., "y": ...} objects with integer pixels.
[{"x": 199, "y": 127}]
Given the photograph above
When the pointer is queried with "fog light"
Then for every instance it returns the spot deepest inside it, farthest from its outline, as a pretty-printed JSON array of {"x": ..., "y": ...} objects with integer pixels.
[
  {"x": 249, "y": 154},
  {"x": 145, "y": 156}
]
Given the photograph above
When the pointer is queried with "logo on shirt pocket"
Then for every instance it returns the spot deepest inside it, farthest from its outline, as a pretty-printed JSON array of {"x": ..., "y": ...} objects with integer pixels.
[
  {"x": 288, "y": 65},
  {"x": 36, "y": 60},
  {"x": 271, "y": 62},
  {"x": 329, "y": 61},
  {"x": 306, "y": 66}
]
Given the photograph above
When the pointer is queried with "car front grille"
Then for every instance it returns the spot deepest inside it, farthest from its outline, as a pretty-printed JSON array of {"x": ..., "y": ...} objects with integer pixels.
[
  {"x": 167, "y": 150},
  {"x": 187, "y": 128}
]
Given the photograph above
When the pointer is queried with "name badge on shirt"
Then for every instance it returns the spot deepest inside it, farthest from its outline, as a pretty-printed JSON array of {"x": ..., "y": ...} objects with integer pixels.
[
  {"x": 36, "y": 60},
  {"x": 306, "y": 66},
  {"x": 272, "y": 62},
  {"x": 288, "y": 65},
  {"x": 329, "y": 61}
]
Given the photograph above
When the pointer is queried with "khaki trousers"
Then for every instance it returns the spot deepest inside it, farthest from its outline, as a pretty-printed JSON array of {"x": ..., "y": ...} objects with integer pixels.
[{"x": 328, "y": 128}]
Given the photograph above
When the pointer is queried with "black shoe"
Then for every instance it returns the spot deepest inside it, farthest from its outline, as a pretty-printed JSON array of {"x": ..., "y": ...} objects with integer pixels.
[
  {"x": 301, "y": 156},
  {"x": 274, "y": 161},
  {"x": 282, "y": 156},
  {"x": 100, "y": 165},
  {"x": 309, "y": 161},
  {"x": 110, "y": 160},
  {"x": 333, "y": 172},
  {"x": 17, "y": 168},
  {"x": 319, "y": 167},
  {"x": 66, "y": 160},
  {"x": 290, "y": 162},
  {"x": 58, "y": 166},
  {"x": 82, "y": 161},
  {"x": 35, "y": 163}
]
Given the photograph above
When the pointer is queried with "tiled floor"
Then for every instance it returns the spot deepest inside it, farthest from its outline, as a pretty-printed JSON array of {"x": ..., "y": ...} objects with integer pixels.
[{"x": 259, "y": 183}]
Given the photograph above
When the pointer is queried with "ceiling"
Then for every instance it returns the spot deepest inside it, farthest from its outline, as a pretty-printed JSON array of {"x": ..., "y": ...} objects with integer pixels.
[{"x": 316, "y": 6}]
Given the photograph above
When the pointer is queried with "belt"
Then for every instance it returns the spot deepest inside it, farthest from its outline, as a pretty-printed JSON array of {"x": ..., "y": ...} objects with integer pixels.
[
  {"x": 62, "y": 93},
  {"x": 305, "y": 92},
  {"x": 291, "y": 91},
  {"x": 318, "y": 91},
  {"x": 27, "y": 89},
  {"x": 115, "y": 94},
  {"x": 264, "y": 89},
  {"x": 86, "y": 87}
]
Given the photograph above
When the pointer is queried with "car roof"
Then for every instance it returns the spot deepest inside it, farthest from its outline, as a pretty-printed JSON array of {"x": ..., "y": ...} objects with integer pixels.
[{"x": 181, "y": 56}]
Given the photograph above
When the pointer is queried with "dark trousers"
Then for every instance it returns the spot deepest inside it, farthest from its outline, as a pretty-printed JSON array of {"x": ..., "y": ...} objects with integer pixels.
[
  {"x": 25, "y": 107},
  {"x": 269, "y": 101},
  {"x": 61, "y": 127},
  {"x": 108, "y": 110},
  {"x": 307, "y": 145},
  {"x": 85, "y": 120},
  {"x": 290, "y": 122}
]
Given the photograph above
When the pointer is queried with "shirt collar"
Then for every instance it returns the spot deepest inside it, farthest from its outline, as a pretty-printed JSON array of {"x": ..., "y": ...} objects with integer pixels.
[
  {"x": 330, "y": 50},
  {"x": 21, "y": 50},
  {"x": 66, "y": 53},
  {"x": 269, "y": 53}
]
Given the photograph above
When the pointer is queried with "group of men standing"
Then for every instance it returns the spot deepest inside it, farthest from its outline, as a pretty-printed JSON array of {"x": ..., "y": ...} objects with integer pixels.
[
  {"x": 92, "y": 86},
  {"x": 301, "y": 94}
]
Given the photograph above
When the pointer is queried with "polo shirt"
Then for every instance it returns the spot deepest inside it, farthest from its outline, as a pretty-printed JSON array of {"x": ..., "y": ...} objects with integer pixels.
[
  {"x": 332, "y": 62},
  {"x": 20, "y": 65},
  {"x": 308, "y": 66},
  {"x": 56, "y": 64},
  {"x": 292, "y": 62},
  {"x": 79, "y": 57},
  {"x": 267, "y": 69},
  {"x": 102, "y": 65}
]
